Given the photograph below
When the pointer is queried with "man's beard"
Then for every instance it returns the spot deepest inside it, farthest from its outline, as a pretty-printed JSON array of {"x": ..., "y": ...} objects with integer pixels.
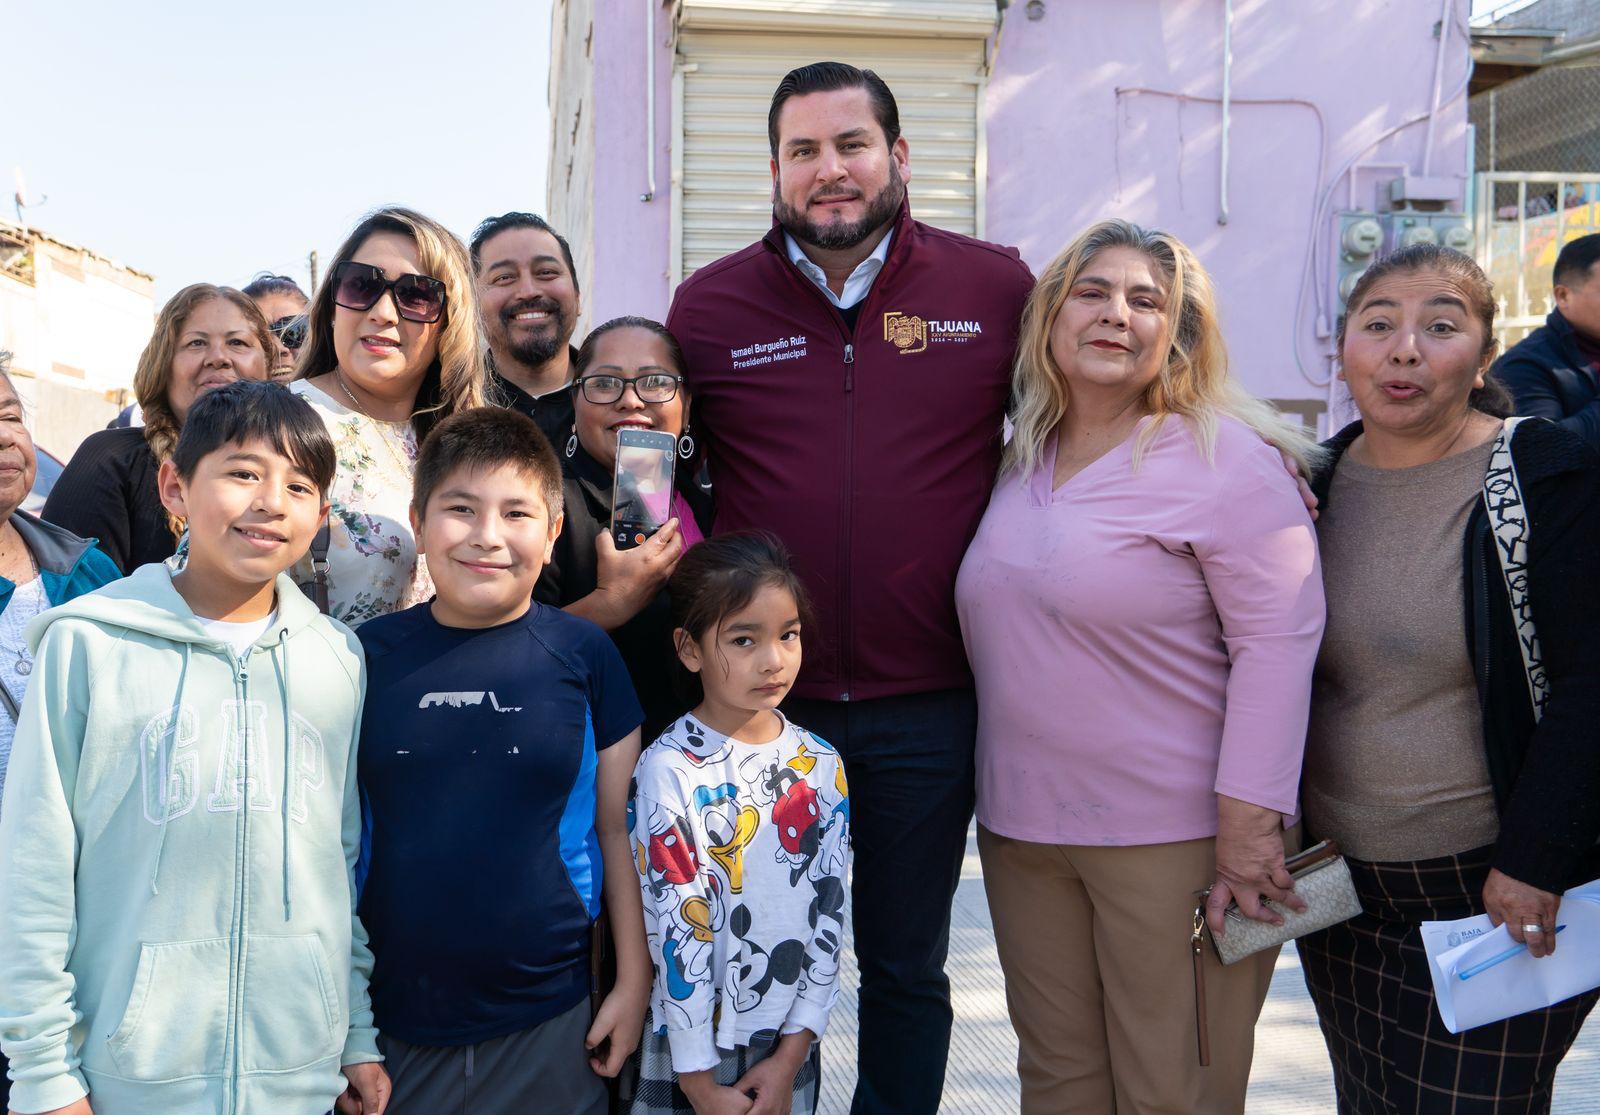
[
  {"x": 833, "y": 236},
  {"x": 536, "y": 349}
]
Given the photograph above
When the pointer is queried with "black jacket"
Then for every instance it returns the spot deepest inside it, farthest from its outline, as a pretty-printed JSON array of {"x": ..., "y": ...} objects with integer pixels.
[
  {"x": 108, "y": 492},
  {"x": 1547, "y": 778},
  {"x": 1549, "y": 378},
  {"x": 645, "y": 641},
  {"x": 551, "y": 412}
]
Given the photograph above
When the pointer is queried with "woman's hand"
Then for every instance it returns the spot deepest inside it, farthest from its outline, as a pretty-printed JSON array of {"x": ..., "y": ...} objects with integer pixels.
[
  {"x": 627, "y": 580},
  {"x": 1307, "y": 496},
  {"x": 1516, "y": 906},
  {"x": 1250, "y": 867}
]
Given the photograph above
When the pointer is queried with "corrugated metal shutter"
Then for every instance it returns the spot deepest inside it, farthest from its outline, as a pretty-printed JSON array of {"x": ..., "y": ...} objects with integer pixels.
[
  {"x": 723, "y": 83},
  {"x": 937, "y": 19}
]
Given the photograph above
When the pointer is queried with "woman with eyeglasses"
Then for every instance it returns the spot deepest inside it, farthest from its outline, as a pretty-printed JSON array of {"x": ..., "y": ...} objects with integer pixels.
[
  {"x": 628, "y": 374},
  {"x": 393, "y": 347},
  {"x": 283, "y": 304},
  {"x": 205, "y": 337}
]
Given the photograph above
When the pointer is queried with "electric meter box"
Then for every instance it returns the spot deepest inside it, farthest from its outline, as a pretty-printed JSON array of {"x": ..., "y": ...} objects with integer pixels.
[{"x": 1364, "y": 236}]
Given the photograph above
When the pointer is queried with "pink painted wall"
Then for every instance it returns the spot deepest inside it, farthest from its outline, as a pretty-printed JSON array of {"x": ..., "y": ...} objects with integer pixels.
[
  {"x": 1365, "y": 64},
  {"x": 1065, "y": 149},
  {"x": 631, "y": 237}
]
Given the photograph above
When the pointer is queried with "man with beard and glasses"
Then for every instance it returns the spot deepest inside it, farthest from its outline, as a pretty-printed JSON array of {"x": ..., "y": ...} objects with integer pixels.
[
  {"x": 850, "y": 373},
  {"x": 528, "y": 291}
]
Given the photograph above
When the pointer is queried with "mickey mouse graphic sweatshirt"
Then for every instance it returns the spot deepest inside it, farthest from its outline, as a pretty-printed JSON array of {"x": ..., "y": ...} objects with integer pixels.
[{"x": 741, "y": 850}]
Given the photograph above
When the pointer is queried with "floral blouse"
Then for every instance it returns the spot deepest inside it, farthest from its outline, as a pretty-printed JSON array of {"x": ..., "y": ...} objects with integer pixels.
[{"x": 373, "y": 564}]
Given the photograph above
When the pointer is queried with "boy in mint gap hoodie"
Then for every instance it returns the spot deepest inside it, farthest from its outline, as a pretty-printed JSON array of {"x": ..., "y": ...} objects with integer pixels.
[{"x": 180, "y": 820}]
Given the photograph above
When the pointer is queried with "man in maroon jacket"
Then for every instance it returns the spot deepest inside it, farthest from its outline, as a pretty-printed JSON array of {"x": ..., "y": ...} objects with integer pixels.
[{"x": 850, "y": 374}]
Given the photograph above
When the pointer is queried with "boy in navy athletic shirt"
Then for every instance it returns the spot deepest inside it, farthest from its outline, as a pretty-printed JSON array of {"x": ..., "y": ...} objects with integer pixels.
[{"x": 497, "y": 744}]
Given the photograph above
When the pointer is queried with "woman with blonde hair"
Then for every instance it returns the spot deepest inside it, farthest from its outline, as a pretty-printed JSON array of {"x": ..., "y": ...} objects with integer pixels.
[
  {"x": 394, "y": 347},
  {"x": 205, "y": 336},
  {"x": 1142, "y": 607}
]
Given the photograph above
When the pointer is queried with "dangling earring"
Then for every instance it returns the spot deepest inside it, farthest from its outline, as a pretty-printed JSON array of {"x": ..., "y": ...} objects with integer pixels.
[
  {"x": 686, "y": 445},
  {"x": 572, "y": 443}
]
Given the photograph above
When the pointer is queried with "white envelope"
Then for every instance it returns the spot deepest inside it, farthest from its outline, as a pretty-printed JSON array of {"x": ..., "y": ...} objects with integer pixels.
[{"x": 1471, "y": 991}]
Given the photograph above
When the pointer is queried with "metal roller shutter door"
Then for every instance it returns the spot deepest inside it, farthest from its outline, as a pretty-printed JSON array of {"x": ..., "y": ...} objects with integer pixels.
[{"x": 723, "y": 83}]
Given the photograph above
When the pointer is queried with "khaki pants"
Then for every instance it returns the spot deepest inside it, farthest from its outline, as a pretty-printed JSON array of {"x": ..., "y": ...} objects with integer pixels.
[{"x": 1094, "y": 943}]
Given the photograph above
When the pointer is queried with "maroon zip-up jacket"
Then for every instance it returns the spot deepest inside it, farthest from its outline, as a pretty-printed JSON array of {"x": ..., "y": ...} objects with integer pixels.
[{"x": 870, "y": 453}]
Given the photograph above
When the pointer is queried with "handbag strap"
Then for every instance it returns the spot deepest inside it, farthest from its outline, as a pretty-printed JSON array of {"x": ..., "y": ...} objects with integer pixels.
[
  {"x": 317, "y": 587},
  {"x": 1508, "y": 519},
  {"x": 1202, "y": 1031}
]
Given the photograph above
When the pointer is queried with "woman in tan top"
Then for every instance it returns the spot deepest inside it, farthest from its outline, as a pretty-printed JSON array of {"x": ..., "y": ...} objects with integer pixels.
[{"x": 1425, "y": 758}]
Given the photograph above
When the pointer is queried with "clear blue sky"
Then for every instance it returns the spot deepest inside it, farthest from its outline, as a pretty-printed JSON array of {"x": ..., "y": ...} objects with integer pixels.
[
  {"x": 211, "y": 140},
  {"x": 206, "y": 141}
]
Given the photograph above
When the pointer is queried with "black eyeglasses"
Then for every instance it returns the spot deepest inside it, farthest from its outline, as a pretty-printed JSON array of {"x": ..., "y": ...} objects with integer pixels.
[
  {"x": 358, "y": 286},
  {"x": 656, "y": 387},
  {"x": 290, "y": 331}
]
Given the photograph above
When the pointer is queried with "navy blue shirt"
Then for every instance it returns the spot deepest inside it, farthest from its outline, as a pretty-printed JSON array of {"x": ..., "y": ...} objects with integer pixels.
[{"x": 477, "y": 768}]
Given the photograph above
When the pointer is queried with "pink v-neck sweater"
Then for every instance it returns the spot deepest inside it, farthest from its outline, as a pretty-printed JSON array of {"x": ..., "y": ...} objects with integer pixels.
[{"x": 1142, "y": 641}]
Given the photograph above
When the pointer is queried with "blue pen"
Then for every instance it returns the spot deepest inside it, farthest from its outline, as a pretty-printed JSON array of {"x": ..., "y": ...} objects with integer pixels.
[{"x": 1498, "y": 958}]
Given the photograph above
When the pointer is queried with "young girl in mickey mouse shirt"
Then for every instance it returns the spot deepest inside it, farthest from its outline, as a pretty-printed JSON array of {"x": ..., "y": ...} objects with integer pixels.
[{"x": 740, "y": 824}]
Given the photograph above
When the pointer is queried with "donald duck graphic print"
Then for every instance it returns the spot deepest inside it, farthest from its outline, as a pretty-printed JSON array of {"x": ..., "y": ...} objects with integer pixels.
[{"x": 741, "y": 851}]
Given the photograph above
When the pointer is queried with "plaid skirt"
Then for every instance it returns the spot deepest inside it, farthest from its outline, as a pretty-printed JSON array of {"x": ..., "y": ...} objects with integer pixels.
[
  {"x": 648, "y": 1085},
  {"x": 1374, "y": 997}
]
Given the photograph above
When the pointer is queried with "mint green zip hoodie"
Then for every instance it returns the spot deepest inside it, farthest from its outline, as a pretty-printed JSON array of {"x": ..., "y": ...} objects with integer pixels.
[{"x": 177, "y": 841}]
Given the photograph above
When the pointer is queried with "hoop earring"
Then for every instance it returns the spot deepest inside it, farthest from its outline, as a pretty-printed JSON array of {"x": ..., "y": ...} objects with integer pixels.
[
  {"x": 686, "y": 445},
  {"x": 572, "y": 444}
]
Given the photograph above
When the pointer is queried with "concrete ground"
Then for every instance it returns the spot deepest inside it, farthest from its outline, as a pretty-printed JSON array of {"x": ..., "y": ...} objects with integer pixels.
[{"x": 1290, "y": 1077}]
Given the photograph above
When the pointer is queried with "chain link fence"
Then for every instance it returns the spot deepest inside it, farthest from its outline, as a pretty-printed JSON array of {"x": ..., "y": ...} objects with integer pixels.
[
  {"x": 1537, "y": 154},
  {"x": 1545, "y": 122}
]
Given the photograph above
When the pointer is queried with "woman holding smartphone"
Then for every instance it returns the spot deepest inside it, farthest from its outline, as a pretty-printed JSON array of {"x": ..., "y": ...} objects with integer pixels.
[{"x": 627, "y": 376}]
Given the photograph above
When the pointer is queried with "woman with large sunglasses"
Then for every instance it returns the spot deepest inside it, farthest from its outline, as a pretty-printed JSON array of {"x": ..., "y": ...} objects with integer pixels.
[
  {"x": 629, "y": 373},
  {"x": 394, "y": 347},
  {"x": 283, "y": 304}
]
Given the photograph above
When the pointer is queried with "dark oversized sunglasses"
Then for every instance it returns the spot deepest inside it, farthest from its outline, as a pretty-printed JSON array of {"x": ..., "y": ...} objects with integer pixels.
[
  {"x": 358, "y": 286},
  {"x": 656, "y": 387},
  {"x": 290, "y": 331}
]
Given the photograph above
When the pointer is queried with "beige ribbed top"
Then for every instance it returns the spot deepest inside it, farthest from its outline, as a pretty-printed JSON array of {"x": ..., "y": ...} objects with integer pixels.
[{"x": 1395, "y": 765}]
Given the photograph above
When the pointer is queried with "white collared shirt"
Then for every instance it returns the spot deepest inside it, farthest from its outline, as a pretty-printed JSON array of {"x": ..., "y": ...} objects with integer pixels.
[{"x": 860, "y": 280}]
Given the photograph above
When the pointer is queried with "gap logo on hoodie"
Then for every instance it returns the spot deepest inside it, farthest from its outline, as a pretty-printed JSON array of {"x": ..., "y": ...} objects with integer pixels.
[{"x": 169, "y": 762}]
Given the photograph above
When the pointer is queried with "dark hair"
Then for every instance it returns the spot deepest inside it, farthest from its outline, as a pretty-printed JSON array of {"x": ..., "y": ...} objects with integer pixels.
[
  {"x": 266, "y": 283},
  {"x": 719, "y": 577},
  {"x": 485, "y": 438},
  {"x": 253, "y": 410},
  {"x": 585, "y": 355},
  {"x": 825, "y": 77},
  {"x": 1492, "y": 398},
  {"x": 1576, "y": 258},
  {"x": 491, "y": 227}
]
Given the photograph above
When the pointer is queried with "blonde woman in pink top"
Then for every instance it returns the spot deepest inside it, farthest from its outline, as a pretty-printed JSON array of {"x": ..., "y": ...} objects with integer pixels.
[{"x": 1142, "y": 607}]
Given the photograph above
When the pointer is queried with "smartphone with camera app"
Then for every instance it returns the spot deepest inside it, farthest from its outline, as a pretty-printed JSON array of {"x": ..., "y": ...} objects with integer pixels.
[{"x": 641, "y": 492}]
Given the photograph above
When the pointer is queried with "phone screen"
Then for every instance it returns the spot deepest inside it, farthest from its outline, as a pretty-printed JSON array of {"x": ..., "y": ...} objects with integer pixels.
[{"x": 641, "y": 495}]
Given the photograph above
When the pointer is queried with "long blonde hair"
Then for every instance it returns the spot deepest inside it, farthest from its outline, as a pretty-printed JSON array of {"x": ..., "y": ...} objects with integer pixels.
[
  {"x": 152, "y": 378},
  {"x": 1194, "y": 382},
  {"x": 456, "y": 379}
]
